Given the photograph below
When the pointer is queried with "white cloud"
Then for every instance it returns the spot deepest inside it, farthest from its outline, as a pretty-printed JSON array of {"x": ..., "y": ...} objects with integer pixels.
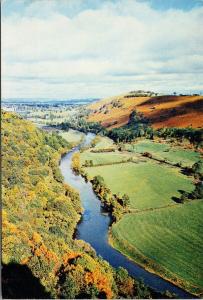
[{"x": 117, "y": 47}]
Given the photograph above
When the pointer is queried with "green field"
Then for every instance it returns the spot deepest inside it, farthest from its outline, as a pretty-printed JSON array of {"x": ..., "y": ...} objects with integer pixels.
[
  {"x": 165, "y": 151},
  {"x": 168, "y": 240},
  {"x": 72, "y": 136},
  {"x": 148, "y": 184},
  {"x": 163, "y": 236},
  {"x": 104, "y": 143},
  {"x": 104, "y": 158}
]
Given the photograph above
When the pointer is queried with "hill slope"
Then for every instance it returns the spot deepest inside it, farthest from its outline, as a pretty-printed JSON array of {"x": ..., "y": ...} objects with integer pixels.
[
  {"x": 161, "y": 111},
  {"x": 39, "y": 216}
]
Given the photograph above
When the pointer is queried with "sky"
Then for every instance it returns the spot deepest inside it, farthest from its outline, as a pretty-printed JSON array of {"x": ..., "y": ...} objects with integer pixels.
[{"x": 98, "y": 48}]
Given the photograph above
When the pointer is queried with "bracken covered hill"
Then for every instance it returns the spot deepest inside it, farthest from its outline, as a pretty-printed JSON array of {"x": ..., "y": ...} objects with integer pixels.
[{"x": 161, "y": 111}]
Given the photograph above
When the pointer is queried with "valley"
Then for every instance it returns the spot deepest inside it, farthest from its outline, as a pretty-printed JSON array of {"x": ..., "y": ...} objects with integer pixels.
[{"x": 148, "y": 181}]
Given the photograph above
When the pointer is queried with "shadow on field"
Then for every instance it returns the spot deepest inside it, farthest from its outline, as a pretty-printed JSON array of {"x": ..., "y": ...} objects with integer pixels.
[{"x": 178, "y": 199}]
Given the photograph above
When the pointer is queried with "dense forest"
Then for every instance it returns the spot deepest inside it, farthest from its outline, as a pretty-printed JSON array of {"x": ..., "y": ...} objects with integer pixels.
[{"x": 41, "y": 259}]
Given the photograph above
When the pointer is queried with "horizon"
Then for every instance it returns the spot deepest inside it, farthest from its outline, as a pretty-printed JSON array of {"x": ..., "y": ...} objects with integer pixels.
[
  {"x": 79, "y": 50},
  {"x": 36, "y": 99}
]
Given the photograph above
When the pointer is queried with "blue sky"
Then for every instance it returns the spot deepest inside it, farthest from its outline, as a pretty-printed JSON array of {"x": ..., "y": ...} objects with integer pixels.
[
  {"x": 93, "y": 48},
  {"x": 18, "y": 6}
]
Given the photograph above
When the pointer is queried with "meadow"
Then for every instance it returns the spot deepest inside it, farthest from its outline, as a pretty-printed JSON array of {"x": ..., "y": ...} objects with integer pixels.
[
  {"x": 148, "y": 184},
  {"x": 104, "y": 158},
  {"x": 167, "y": 241},
  {"x": 104, "y": 143},
  {"x": 72, "y": 136},
  {"x": 161, "y": 235},
  {"x": 165, "y": 152}
]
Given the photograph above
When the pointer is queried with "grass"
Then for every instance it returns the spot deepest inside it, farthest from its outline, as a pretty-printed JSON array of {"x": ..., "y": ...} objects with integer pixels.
[
  {"x": 159, "y": 234},
  {"x": 164, "y": 151},
  {"x": 104, "y": 158},
  {"x": 148, "y": 184},
  {"x": 168, "y": 241},
  {"x": 72, "y": 136},
  {"x": 104, "y": 143}
]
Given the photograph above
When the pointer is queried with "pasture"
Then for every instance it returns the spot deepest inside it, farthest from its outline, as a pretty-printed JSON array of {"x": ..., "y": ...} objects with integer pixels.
[
  {"x": 104, "y": 143},
  {"x": 165, "y": 151},
  {"x": 167, "y": 241},
  {"x": 72, "y": 136},
  {"x": 104, "y": 158},
  {"x": 148, "y": 184}
]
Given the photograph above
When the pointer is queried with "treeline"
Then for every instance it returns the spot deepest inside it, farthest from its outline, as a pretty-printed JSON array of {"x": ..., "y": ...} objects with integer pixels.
[
  {"x": 197, "y": 171},
  {"x": 194, "y": 136},
  {"x": 39, "y": 217},
  {"x": 138, "y": 126},
  {"x": 116, "y": 204},
  {"x": 82, "y": 125}
]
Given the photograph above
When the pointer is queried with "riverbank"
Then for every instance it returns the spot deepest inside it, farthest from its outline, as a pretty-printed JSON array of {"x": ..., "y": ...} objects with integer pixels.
[
  {"x": 136, "y": 256},
  {"x": 151, "y": 266},
  {"x": 146, "y": 262}
]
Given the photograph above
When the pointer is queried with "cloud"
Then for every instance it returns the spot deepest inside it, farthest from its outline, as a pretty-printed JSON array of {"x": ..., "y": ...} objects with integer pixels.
[{"x": 101, "y": 49}]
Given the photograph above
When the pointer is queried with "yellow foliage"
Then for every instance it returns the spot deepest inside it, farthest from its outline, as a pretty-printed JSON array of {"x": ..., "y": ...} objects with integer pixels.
[
  {"x": 70, "y": 255},
  {"x": 36, "y": 238}
]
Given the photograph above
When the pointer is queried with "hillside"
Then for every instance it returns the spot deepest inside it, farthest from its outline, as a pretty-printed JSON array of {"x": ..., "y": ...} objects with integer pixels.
[
  {"x": 161, "y": 111},
  {"x": 41, "y": 259},
  {"x": 40, "y": 256}
]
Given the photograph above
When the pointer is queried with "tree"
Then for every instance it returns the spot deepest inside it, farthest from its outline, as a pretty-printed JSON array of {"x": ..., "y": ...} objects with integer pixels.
[
  {"x": 98, "y": 180},
  {"x": 69, "y": 289},
  {"x": 197, "y": 168},
  {"x": 198, "y": 192},
  {"x": 126, "y": 200}
]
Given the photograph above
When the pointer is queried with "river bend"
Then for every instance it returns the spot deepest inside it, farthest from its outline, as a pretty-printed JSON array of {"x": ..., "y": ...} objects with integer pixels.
[{"x": 94, "y": 226}]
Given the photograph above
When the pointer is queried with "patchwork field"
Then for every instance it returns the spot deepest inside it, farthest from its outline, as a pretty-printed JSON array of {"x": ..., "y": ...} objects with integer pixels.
[
  {"x": 162, "y": 111},
  {"x": 164, "y": 151},
  {"x": 161, "y": 235},
  {"x": 167, "y": 241},
  {"x": 148, "y": 184}
]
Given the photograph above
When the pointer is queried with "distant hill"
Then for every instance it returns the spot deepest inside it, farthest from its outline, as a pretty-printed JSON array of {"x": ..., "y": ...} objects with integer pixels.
[{"x": 160, "y": 110}]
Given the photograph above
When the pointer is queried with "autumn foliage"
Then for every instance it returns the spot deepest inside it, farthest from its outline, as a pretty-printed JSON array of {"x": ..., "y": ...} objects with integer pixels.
[{"x": 40, "y": 214}]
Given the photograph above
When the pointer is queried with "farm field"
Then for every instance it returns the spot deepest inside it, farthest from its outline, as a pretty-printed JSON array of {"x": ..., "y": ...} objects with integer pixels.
[
  {"x": 158, "y": 233},
  {"x": 104, "y": 158},
  {"x": 104, "y": 143},
  {"x": 167, "y": 241},
  {"x": 72, "y": 136},
  {"x": 165, "y": 151},
  {"x": 148, "y": 184}
]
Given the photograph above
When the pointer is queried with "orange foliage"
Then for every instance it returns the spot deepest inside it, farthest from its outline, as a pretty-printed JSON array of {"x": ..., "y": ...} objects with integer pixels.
[
  {"x": 48, "y": 254},
  {"x": 25, "y": 261},
  {"x": 69, "y": 256},
  {"x": 100, "y": 280}
]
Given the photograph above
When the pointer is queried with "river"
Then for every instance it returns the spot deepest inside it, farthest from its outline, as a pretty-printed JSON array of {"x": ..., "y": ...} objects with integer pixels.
[{"x": 94, "y": 225}]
